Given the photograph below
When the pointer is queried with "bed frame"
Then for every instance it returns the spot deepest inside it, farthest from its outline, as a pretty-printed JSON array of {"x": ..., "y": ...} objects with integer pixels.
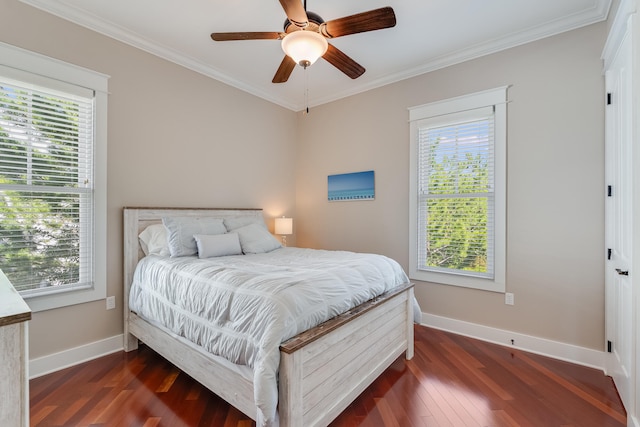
[{"x": 322, "y": 370}]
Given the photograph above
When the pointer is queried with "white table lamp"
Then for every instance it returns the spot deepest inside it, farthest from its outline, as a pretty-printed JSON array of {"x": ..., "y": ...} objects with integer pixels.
[{"x": 284, "y": 227}]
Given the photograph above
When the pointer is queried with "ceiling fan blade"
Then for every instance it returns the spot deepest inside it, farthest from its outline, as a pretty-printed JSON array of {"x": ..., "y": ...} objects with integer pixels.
[
  {"x": 295, "y": 12},
  {"x": 284, "y": 70},
  {"x": 255, "y": 35},
  {"x": 366, "y": 21},
  {"x": 342, "y": 62}
]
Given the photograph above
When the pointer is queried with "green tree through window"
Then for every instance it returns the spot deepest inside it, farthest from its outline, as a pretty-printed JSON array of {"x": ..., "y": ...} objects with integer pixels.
[{"x": 457, "y": 190}]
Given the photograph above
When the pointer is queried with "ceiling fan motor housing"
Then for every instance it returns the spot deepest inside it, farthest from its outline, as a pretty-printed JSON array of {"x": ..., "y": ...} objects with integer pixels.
[{"x": 314, "y": 21}]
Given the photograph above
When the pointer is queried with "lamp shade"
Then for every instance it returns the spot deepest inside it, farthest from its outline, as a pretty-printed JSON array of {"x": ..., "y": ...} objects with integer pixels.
[
  {"x": 304, "y": 47},
  {"x": 284, "y": 226}
]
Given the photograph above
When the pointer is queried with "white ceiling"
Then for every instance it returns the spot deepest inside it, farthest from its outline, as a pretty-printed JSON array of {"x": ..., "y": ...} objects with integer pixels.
[{"x": 429, "y": 34}]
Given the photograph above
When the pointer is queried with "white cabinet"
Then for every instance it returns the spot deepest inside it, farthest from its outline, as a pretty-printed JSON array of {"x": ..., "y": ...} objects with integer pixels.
[{"x": 14, "y": 359}]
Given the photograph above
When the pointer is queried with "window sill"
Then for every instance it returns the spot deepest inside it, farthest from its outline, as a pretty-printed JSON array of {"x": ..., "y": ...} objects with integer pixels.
[
  {"x": 459, "y": 280},
  {"x": 65, "y": 298}
]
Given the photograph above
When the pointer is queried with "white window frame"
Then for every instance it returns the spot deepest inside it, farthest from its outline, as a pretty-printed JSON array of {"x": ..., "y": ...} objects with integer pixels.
[
  {"x": 31, "y": 64},
  {"x": 496, "y": 98}
]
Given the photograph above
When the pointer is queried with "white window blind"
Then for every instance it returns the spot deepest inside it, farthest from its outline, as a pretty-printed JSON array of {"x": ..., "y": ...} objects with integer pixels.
[
  {"x": 456, "y": 194},
  {"x": 46, "y": 187}
]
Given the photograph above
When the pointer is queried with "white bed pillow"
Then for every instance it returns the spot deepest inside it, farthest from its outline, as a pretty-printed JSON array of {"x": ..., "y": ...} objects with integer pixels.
[
  {"x": 180, "y": 232},
  {"x": 241, "y": 221},
  {"x": 255, "y": 239},
  {"x": 153, "y": 240},
  {"x": 217, "y": 245}
]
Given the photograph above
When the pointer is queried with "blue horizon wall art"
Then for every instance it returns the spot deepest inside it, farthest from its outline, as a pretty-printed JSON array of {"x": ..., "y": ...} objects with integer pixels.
[{"x": 351, "y": 187}]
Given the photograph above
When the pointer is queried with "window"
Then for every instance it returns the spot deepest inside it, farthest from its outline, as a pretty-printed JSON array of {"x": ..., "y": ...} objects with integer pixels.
[
  {"x": 52, "y": 179},
  {"x": 458, "y": 191}
]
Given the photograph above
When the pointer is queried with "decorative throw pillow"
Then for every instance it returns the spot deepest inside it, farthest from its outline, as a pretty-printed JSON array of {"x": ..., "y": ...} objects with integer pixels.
[
  {"x": 180, "y": 232},
  {"x": 241, "y": 221},
  {"x": 153, "y": 240},
  {"x": 255, "y": 239},
  {"x": 217, "y": 245}
]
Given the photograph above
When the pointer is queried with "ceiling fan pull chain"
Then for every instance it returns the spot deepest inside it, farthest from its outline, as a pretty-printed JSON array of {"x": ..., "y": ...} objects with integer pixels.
[{"x": 306, "y": 87}]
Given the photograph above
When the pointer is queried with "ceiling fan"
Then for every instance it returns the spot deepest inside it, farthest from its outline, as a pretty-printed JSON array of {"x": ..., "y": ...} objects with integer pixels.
[{"x": 305, "y": 35}]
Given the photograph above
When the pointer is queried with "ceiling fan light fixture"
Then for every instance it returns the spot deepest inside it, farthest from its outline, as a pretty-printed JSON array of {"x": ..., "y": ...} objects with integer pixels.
[{"x": 304, "y": 47}]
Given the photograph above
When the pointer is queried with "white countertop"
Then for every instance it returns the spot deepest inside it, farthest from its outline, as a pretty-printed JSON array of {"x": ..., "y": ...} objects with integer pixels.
[{"x": 13, "y": 309}]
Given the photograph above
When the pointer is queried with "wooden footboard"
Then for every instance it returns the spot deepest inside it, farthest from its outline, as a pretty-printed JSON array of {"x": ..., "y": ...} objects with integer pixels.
[
  {"x": 324, "y": 369},
  {"x": 321, "y": 370}
]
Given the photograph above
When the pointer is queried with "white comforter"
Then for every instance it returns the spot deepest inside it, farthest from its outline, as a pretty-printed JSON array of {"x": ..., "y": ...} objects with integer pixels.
[{"x": 242, "y": 307}]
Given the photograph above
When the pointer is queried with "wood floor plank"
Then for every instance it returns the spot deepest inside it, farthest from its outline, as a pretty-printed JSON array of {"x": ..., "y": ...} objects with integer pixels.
[
  {"x": 386, "y": 412},
  {"x": 574, "y": 390},
  {"x": 452, "y": 381},
  {"x": 42, "y": 413},
  {"x": 152, "y": 422},
  {"x": 65, "y": 415}
]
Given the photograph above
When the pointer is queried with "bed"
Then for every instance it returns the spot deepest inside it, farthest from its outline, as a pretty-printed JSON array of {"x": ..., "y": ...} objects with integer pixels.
[{"x": 321, "y": 370}]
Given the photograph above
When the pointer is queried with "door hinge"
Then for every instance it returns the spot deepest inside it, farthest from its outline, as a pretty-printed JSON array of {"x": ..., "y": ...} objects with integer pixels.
[
  {"x": 609, "y": 346},
  {"x": 609, "y": 191},
  {"x": 609, "y": 253},
  {"x": 609, "y": 98}
]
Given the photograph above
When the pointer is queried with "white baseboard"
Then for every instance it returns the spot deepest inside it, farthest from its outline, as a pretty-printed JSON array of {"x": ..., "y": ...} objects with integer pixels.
[
  {"x": 557, "y": 350},
  {"x": 74, "y": 356}
]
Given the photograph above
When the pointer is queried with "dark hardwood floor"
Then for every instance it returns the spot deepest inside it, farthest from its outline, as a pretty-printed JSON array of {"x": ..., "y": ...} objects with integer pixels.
[{"x": 451, "y": 381}]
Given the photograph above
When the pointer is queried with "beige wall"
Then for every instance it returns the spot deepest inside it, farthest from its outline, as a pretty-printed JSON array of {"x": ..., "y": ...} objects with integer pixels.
[
  {"x": 555, "y": 206},
  {"x": 176, "y": 138}
]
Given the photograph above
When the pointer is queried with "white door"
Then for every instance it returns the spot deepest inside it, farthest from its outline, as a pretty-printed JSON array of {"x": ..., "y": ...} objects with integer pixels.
[{"x": 618, "y": 217}]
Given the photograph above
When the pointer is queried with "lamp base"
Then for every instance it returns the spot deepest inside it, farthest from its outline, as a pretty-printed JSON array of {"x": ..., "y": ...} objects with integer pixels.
[{"x": 284, "y": 241}]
